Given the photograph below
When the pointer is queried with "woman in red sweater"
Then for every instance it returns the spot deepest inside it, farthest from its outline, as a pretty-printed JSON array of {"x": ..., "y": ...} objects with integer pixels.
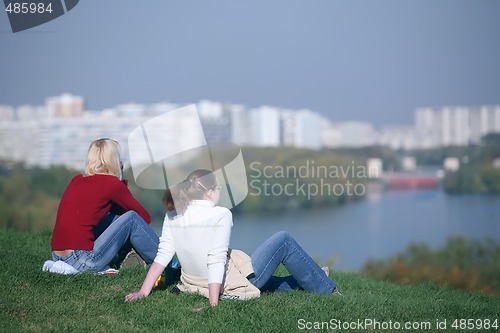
[{"x": 94, "y": 199}]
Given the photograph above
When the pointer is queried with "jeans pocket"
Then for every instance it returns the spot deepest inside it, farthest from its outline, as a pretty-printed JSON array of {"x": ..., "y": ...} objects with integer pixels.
[{"x": 77, "y": 259}]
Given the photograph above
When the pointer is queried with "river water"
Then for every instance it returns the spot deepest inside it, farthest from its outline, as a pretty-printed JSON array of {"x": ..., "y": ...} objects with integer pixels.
[{"x": 378, "y": 226}]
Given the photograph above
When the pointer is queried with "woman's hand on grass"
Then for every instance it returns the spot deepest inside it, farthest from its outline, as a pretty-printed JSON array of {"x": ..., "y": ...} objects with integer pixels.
[
  {"x": 154, "y": 273},
  {"x": 134, "y": 296}
]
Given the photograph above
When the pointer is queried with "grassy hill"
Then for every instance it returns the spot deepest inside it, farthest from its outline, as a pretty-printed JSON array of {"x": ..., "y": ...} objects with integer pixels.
[{"x": 36, "y": 301}]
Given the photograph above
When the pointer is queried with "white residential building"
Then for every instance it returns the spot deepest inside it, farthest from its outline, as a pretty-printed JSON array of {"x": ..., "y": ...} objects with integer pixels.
[
  {"x": 241, "y": 130},
  {"x": 65, "y": 105},
  {"x": 355, "y": 134},
  {"x": 301, "y": 129},
  {"x": 438, "y": 127},
  {"x": 216, "y": 122},
  {"x": 484, "y": 120},
  {"x": 330, "y": 135},
  {"x": 427, "y": 131},
  {"x": 397, "y": 137},
  {"x": 265, "y": 124}
]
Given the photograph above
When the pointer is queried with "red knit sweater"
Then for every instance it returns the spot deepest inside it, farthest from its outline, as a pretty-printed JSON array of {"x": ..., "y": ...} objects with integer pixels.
[{"x": 84, "y": 204}]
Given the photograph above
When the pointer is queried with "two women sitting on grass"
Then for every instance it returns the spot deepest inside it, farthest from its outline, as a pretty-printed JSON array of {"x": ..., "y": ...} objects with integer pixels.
[{"x": 200, "y": 235}]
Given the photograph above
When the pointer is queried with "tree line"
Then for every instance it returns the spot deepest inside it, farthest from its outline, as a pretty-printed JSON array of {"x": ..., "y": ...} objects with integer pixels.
[
  {"x": 29, "y": 196},
  {"x": 279, "y": 178},
  {"x": 467, "y": 264}
]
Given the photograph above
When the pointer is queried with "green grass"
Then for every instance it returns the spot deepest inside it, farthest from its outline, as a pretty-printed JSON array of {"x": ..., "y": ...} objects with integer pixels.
[{"x": 36, "y": 301}]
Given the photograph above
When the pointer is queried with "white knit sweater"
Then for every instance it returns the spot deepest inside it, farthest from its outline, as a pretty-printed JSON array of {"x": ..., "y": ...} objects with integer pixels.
[{"x": 200, "y": 238}]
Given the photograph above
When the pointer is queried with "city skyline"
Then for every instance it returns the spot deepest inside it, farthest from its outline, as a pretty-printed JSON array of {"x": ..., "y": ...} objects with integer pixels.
[
  {"x": 373, "y": 62},
  {"x": 47, "y": 100},
  {"x": 59, "y": 131}
]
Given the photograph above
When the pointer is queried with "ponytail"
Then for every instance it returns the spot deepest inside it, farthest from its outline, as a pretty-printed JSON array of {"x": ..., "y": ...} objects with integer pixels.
[{"x": 194, "y": 187}]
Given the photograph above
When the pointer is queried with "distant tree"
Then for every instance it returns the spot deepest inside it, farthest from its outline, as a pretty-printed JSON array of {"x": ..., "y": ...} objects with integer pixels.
[{"x": 490, "y": 148}]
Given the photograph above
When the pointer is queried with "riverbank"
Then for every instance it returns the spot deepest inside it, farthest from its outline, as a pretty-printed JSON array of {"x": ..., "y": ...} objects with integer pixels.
[{"x": 36, "y": 301}]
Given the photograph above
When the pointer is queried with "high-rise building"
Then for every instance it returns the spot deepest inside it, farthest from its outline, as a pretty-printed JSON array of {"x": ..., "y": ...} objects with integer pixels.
[
  {"x": 427, "y": 129},
  {"x": 65, "y": 105},
  {"x": 265, "y": 124},
  {"x": 241, "y": 133},
  {"x": 460, "y": 126},
  {"x": 330, "y": 135},
  {"x": 484, "y": 120},
  {"x": 215, "y": 121},
  {"x": 301, "y": 128}
]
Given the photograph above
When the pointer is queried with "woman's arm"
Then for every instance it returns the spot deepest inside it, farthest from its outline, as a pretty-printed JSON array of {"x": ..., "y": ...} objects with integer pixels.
[
  {"x": 121, "y": 196},
  {"x": 217, "y": 256},
  {"x": 165, "y": 253},
  {"x": 213, "y": 293},
  {"x": 153, "y": 274}
]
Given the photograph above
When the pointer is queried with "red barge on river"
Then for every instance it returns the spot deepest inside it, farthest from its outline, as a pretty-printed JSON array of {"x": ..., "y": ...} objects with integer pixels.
[{"x": 411, "y": 181}]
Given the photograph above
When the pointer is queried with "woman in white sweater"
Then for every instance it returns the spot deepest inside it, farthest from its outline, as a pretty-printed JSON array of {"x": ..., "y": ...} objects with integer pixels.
[{"x": 200, "y": 235}]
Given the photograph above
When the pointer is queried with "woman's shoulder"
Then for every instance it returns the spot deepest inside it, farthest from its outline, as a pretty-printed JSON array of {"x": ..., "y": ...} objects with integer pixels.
[
  {"x": 104, "y": 178},
  {"x": 222, "y": 210},
  {"x": 224, "y": 215},
  {"x": 207, "y": 207},
  {"x": 104, "y": 182}
]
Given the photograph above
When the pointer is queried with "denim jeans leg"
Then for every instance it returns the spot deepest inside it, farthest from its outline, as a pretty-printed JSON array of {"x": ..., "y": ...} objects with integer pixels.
[
  {"x": 282, "y": 248},
  {"x": 104, "y": 224},
  {"x": 128, "y": 226},
  {"x": 281, "y": 284}
]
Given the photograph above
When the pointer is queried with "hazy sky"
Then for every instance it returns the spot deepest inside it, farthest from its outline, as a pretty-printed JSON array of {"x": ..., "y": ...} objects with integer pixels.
[{"x": 372, "y": 61}]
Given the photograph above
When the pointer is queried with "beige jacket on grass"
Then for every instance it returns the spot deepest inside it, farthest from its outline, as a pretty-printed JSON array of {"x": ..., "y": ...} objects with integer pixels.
[{"x": 235, "y": 284}]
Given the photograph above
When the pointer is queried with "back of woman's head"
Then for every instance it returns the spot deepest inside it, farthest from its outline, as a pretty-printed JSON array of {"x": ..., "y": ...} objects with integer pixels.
[
  {"x": 194, "y": 187},
  {"x": 103, "y": 157}
]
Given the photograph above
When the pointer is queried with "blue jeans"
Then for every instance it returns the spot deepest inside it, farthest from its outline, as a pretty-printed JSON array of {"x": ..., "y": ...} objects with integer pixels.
[
  {"x": 305, "y": 273},
  {"x": 127, "y": 227}
]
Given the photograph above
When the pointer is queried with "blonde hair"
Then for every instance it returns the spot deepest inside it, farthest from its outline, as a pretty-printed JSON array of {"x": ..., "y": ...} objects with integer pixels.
[{"x": 103, "y": 158}]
